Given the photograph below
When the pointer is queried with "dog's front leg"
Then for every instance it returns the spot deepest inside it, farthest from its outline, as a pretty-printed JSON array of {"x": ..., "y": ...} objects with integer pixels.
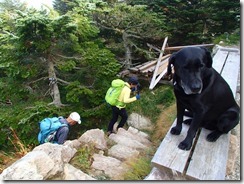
[
  {"x": 180, "y": 113},
  {"x": 191, "y": 133}
]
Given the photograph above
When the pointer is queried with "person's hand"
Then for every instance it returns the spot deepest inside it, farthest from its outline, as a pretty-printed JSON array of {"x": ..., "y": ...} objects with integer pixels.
[{"x": 138, "y": 96}]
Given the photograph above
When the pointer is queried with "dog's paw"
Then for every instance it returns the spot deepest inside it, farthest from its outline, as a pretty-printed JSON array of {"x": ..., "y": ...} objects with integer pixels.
[
  {"x": 212, "y": 137},
  {"x": 184, "y": 146},
  {"x": 175, "y": 131}
]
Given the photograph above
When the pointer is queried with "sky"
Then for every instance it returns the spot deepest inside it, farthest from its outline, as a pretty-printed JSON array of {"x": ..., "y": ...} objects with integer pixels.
[{"x": 38, "y": 3}]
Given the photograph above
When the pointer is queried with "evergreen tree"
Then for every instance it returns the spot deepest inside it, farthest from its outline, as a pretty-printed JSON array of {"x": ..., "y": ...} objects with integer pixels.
[
  {"x": 12, "y": 5},
  {"x": 63, "y": 6},
  {"x": 50, "y": 59},
  {"x": 53, "y": 51},
  {"x": 196, "y": 21},
  {"x": 128, "y": 29},
  {"x": 224, "y": 16}
]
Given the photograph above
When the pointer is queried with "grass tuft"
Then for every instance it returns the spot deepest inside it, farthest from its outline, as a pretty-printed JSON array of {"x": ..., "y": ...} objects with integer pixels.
[{"x": 139, "y": 168}]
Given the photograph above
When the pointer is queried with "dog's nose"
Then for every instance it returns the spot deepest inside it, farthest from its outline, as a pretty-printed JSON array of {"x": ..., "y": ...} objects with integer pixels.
[{"x": 196, "y": 87}]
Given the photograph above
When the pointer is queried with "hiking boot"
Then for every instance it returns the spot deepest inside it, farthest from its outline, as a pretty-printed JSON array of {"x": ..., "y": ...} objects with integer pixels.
[{"x": 110, "y": 132}]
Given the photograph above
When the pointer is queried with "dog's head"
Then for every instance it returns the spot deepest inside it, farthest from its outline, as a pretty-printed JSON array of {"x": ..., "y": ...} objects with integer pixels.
[{"x": 190, "y": 63}]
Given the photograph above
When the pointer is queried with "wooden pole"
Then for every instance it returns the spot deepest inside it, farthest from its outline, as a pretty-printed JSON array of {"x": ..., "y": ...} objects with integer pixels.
[
  {"x": 152, "y": 84},
  {"x": 181, "y": 47}
]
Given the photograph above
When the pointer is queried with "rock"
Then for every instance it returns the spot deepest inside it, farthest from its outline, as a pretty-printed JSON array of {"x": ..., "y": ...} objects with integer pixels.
[
  {"x": 73, "y": 144},
  {"x": 139, "y": 122},
  {"x": 57, "y": 152},
  {"x": 96, "y": 137},
  {"x": 122, "y": 152},
  {"x": 109, "y": 165},
  {"x": 71, "y": 173},
  {"x": 127, "y": 141},
  {"x": 51, "y": 161},
  {"x": 137, "y": 132},
  {"x": 134, "y": 134},
  {"x": 33, "y": 166}
]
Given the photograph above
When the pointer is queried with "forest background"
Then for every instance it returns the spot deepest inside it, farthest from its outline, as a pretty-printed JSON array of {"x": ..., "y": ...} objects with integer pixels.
[{"x": 62, "y": 59}]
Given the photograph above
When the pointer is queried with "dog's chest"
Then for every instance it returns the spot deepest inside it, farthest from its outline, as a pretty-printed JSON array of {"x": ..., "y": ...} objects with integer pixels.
[{"x": 187, "y": 101}]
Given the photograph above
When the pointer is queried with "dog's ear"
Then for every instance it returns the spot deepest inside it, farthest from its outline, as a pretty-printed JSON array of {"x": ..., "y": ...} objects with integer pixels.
[
  {"x": 171, "y": 62},
  {"x": 207, "y": 58}
]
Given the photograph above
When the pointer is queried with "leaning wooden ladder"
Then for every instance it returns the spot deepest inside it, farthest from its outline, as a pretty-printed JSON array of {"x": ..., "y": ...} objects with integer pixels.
[{"x": 206, "y": 160}]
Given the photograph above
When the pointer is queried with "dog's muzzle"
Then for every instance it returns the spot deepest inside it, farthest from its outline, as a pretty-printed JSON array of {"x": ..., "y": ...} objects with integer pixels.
[{"x": 194, "y": 88}]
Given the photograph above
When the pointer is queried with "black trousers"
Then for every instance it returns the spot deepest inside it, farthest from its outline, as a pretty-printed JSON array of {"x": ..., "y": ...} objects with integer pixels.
[{"x": 116, "y": 112}]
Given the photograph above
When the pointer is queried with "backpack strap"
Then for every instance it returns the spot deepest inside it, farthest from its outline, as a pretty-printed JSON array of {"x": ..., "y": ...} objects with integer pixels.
[
  {"x": 63, "y": 124},
  {"x": 51, "y": 122}
]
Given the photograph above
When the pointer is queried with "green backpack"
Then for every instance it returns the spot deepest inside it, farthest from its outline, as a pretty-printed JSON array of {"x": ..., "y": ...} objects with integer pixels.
[{"x": 114, "y": 91}]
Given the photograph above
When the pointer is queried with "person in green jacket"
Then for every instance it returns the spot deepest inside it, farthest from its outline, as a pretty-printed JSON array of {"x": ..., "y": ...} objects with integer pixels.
[{"x": 124, "y": 98}]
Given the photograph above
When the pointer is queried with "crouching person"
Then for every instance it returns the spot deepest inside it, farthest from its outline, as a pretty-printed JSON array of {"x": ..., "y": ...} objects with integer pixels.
[{"x": 56, "y": 129}]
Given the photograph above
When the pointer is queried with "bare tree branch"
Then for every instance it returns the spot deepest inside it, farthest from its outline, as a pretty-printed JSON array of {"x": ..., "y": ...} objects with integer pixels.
[
  {"x": 11, "y": 34},
  {"x": 65, "y": 57},
  {"x": 67, "y": 83},
  {"x": 42, "y": 78}
]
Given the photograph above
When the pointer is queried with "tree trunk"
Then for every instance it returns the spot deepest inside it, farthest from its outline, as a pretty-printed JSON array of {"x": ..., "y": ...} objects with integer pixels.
[
  {"x": 128, "y": 60},
  {"x": 54, "y": 85}
]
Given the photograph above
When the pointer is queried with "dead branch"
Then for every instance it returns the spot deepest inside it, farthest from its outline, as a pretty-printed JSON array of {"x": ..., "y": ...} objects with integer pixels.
[
  {"x": 17, "y": 141},
  {"x": 66, "y": 57},
  {"x": 67, "y": 83}
]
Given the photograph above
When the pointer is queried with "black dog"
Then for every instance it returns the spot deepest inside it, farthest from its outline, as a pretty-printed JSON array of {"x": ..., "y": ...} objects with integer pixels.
[{"x": 202, "y": 91}]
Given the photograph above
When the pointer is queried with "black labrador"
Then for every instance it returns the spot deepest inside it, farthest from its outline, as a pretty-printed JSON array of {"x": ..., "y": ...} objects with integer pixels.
[{"x": 202, "y": 92}]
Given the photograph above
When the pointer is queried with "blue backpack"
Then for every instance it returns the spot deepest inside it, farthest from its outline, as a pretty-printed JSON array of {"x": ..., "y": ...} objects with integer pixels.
[{"x": 48, "y": 129}]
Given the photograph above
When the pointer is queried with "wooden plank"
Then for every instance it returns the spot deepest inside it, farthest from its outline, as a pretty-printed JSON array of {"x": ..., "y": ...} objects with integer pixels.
[
  {"x": 153, "y": 62},
  {"x": 231, "y": 70},
  {"x": 162, "y": 74},
  {"x": 181, "y": 47},
  {"x": 161, "y": 65},
  {"x": 152, "y": 84},
  {"x": 168, "y": 155},
  {"x": 161, "y": 69},
  {"x": 144, "y": 65},
  {"x": 229, "y": 49},
  {"x": 124, "y": 73},
  {"x": 133, "y": 69},
  {"x": 209, "y": 159},
  {"x": 219, "y": 60}
]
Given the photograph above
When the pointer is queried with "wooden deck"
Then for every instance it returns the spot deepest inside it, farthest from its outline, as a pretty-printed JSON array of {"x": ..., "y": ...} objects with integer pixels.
[{"x": 206, "y": 160}]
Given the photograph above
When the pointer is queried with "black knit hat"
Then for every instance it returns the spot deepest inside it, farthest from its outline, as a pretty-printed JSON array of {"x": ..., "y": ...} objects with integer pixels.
[{"x": 133, "y": 80}]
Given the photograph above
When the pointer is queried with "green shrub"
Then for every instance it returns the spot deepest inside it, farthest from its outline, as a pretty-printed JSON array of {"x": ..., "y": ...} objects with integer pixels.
[
  {"x": 83, "y": 158},
  {"x": 228, "y": 38}
]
